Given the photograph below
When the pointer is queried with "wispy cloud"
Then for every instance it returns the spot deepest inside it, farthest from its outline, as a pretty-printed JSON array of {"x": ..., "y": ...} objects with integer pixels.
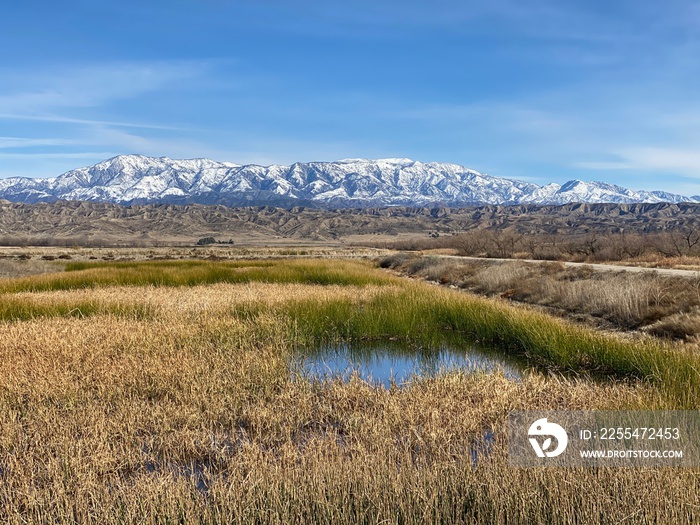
[
  {"x": 71, "y": 101},
  {"x": 25, "y": 142},
  {"x": 78, "y": 96},
  {"x": 30, "y": 93},
  {"x": 99, "y": 155},
  {"x": 89, "y": 122},
  {"x": 672, "y": 160},
  {"x": 603, "y": 165}
]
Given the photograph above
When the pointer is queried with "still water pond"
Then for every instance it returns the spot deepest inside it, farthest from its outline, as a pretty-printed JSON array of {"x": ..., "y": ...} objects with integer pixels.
[{"x": 394, "y": 362}]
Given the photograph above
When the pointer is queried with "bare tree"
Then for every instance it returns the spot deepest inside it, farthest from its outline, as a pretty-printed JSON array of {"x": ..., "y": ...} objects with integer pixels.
[{"x": 683, "y": 240}]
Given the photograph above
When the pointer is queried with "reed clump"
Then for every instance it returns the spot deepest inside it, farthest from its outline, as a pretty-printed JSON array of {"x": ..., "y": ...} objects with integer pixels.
[{"x": 14, "y": 308}]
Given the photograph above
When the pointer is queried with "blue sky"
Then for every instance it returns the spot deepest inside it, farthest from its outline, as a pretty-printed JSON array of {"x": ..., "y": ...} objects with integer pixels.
[{"x": 545, "y": 91}]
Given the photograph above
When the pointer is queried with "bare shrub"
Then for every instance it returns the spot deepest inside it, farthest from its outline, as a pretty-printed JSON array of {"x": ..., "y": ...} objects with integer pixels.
[{"x": 470, "y": 243}]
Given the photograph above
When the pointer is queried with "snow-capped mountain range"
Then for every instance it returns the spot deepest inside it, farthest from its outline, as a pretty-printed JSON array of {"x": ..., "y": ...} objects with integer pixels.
[{"x": 131, "y": 179}]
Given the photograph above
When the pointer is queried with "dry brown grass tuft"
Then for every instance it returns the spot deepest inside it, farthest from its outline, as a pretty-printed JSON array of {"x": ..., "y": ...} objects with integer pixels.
[{"x": 678, "y": 326}]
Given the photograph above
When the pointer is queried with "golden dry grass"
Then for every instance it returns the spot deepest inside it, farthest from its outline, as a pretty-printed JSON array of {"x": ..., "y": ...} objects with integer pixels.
[
  {"x": 625, "y": 300},
  {"x": 192, "y": 414}
]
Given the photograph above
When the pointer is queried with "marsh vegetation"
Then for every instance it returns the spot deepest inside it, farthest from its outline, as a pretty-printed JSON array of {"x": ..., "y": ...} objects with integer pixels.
[
  {"x": 172, "y": 398},
  {"x": 666, "y": 306}
]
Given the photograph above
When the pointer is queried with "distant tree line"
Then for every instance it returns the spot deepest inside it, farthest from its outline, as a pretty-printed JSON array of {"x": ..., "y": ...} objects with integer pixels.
[
  {"x": 96, "y": 242},
  {"x": 204, "y": 241},
  {"x": 80, "y": 241},
  {"x": 680, "y": 242}
]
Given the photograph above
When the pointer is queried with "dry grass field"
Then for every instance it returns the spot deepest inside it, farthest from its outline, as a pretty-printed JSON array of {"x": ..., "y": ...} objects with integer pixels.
[
  {"x": 665, "y": 306},
  {"x": 164, "y": 392}
]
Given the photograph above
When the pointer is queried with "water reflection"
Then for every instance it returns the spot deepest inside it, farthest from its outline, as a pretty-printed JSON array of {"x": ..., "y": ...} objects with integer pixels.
[{"x": 395, "y": 362}]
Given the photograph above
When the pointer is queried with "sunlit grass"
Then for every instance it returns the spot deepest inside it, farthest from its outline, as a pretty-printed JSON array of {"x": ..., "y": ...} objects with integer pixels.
[
  {"x": 423, "y": 314},
  {"x": 192, "y": 413},
  {"x": 193, "y": 273},
  {"x": 408, "y": 310}
]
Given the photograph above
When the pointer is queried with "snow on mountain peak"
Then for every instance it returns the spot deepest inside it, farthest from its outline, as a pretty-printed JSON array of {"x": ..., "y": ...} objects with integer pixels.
[
  {"x": 399, "y": 161},
  {"x": 349, "y": 182}
]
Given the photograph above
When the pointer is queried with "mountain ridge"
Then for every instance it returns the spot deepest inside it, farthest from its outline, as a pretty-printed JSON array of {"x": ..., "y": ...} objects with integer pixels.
[
  {"x": 83, "y": 223},
  {"x": 138, "y": 179}
]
